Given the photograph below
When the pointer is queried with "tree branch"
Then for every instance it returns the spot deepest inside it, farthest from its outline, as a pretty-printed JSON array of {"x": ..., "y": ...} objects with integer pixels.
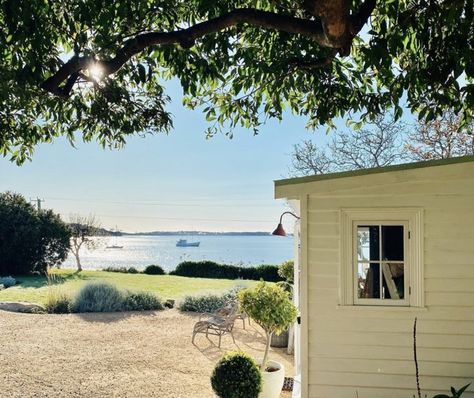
[
  {"x": 362, "y": 16},
  {"x": 186, "y": 38}
]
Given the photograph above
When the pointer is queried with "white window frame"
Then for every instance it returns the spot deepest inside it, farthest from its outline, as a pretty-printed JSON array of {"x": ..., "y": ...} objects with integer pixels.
[{"x": 412, "y": 218}]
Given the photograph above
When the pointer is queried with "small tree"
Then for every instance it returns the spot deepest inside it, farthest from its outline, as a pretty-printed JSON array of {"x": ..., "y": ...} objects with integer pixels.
[
  {"x": 440, "y": 139},
  {"x": 271, "y": 308},
  {"x": 379, "y": 144},
  {"x": 82, "y": 231},
  {"x": 236, "y": 375}
]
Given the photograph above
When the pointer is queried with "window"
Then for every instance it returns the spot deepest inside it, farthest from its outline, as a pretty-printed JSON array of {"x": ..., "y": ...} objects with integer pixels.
[{"x": 381, "y": 257}]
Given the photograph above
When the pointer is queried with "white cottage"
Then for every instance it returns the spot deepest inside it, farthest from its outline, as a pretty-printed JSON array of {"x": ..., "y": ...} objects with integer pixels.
[{"x": 380, "y": 247}]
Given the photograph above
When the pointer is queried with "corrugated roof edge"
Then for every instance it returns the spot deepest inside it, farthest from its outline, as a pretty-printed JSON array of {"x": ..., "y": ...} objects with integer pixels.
[{"x": 375, "y": 170}]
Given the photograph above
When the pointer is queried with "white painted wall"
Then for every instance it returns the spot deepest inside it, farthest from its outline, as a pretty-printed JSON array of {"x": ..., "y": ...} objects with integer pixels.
[{"x": 366, "y": 352}]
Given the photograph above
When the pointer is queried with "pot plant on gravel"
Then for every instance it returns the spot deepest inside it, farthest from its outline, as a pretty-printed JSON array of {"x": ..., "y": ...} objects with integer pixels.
[
  {"x": 271, "y": 308},
  {"x": 236, "y": 375}
]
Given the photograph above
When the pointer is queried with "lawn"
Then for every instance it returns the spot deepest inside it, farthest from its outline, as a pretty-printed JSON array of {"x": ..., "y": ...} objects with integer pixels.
[{"x": 34, "y": 289}]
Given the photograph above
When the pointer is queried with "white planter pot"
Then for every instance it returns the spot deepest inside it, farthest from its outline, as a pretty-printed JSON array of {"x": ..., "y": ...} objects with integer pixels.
[{"x": 273, "y": 381}]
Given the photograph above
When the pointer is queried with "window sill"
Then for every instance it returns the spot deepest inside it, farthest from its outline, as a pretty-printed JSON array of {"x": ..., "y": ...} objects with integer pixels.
[{"x": 380, "y": 308}]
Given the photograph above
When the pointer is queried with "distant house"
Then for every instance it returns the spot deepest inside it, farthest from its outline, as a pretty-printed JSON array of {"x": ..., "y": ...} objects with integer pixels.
[{"x": 380, "y": 247}]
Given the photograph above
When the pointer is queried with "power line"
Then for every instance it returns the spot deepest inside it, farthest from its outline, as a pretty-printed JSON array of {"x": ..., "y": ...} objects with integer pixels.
[
  {"x": 179, "y": 219},
  {"x": 164, "y": 204}
]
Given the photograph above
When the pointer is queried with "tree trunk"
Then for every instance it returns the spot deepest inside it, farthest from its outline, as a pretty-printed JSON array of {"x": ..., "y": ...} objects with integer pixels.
[
  {"x": 267, "y": 348},
  {"x": 78, "y": 262}
]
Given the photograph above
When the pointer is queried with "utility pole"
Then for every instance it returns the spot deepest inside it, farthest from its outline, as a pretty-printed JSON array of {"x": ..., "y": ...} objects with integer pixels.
[{"x": 38, "y": 202}]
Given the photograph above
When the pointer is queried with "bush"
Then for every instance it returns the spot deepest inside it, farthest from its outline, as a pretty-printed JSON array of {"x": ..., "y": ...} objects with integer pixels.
[
  {"x": 286, "y": 271},
  {"x": 141, "y": 301},
  {"x": 122, "y": 270},
  {"x": 266, "y": 272},
  {"x": 207, "y": 269},
  {"x": 208, "y": 302},
  {"x": 7, "y": 281},
  {"x": 30, "y": 240},
  {"x": 99, "y": 297},
  {"x": 154, "y": 270},
  {"x": 210, "y": 269},
  {"x": 236, "y": 375},
  {"x": 58, "y": 303}
]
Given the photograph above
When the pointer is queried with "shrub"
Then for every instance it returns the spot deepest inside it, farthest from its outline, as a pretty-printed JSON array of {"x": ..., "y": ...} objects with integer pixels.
[
  {"x": 98, "y": 297},
  {"x": 266, "y": 272},
  {"x": 58, "y": 303},
  {"x": 7, "y": 281},
  {"x": 202, "y": 303},
  {"x": 141, "y": 301},
  {"x": 270, "y": 307},
  {"x": 208, "y": 302},
  {"x": 30, "y": 240},
  {"x": 154, "y": 270},
  {"x": 207, "y": 269},
  {"x": 236, "y": 375},
  {"x": 210, "y": 269},
  {"x": 122, "y": 270},
  {"x": 286, "y": 271}
]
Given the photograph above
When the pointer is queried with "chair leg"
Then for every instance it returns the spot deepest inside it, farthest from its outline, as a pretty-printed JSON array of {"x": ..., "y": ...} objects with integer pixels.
[
  {"x": 243, "y": 321},
  {"x": 232, "y": 334},
  {"x": 220, "y": 336}
]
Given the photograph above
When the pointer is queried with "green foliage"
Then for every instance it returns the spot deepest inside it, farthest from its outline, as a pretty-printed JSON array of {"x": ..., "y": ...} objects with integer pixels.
[
  {"x": 122, "y": 270},
  {"x": 210, "y": 269},
  {"x": 154, "y": 270},
  {"x": 236, "y": 375},
  {"x": 58, "y": 303},
  {"x": 105, "y": 297},
  {"x": 415, "y": 52},
  {"x": 7, "y": 281},
  {"x": 286, "y": 271},
  {"x": 454, "y": 393},
  {"x": 208, "y": 302},
  {"x": 206, "y": 269},
  {"x": 30, "y": 240},
  {"x": 269, "y": 306},
  {"x": 98, "y": 297},
  {"x": 142, "y": 301}
]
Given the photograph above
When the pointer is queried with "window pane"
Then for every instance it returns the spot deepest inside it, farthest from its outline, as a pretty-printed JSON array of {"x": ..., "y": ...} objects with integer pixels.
[
  {"x": 392, "y": 242},
  {"x": 393, "y": 281},
  {"x": 368, "y": 281},
  {"x": 368, "y": 243}
]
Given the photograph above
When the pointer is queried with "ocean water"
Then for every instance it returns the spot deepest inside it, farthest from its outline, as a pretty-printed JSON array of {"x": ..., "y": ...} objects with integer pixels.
[{"x": 140, "y": 251}]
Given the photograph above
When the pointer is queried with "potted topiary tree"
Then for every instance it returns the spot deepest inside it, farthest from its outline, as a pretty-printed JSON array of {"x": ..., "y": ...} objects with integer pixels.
[
  {"x": 236, "y": 375},
  {"x": 271, "y": 308}
]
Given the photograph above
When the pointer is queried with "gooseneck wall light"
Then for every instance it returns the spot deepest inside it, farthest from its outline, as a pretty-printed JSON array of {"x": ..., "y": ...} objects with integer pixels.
[{"x": 279, "y": 231}]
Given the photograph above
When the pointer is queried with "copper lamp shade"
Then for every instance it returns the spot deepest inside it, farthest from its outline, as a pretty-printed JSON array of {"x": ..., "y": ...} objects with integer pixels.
[{"x": 279, "y": 231}]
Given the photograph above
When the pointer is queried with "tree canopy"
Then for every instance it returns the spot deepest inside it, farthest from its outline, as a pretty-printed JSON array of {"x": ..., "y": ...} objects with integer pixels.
[
  {"x": 31, "y": 240},
  {"x": 95, "y": 68}
]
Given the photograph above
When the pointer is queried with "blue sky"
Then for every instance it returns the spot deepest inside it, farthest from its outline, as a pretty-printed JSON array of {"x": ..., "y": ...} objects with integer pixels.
[{"x": 179, "y": 181}]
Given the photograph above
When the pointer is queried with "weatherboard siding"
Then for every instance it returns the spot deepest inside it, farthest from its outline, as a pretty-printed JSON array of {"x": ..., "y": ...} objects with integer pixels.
[{"x": 367, "y": 352}]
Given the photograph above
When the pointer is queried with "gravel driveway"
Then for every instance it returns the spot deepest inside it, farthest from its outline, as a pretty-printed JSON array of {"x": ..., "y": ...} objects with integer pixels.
[{"x": 146, "y": 354}]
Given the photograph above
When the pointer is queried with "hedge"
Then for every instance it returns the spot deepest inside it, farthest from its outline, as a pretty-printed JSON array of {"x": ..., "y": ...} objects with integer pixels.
[{"x": 210, "y": 269}]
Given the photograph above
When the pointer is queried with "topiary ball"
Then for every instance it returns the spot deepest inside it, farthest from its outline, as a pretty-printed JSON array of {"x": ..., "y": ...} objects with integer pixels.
[{"x": 236, "y": 375}]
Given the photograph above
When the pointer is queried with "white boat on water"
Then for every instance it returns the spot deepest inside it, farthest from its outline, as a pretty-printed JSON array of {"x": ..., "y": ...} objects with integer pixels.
[
  {"x": 114, "y": 247},
  {"x": 185, "y": 243}
]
